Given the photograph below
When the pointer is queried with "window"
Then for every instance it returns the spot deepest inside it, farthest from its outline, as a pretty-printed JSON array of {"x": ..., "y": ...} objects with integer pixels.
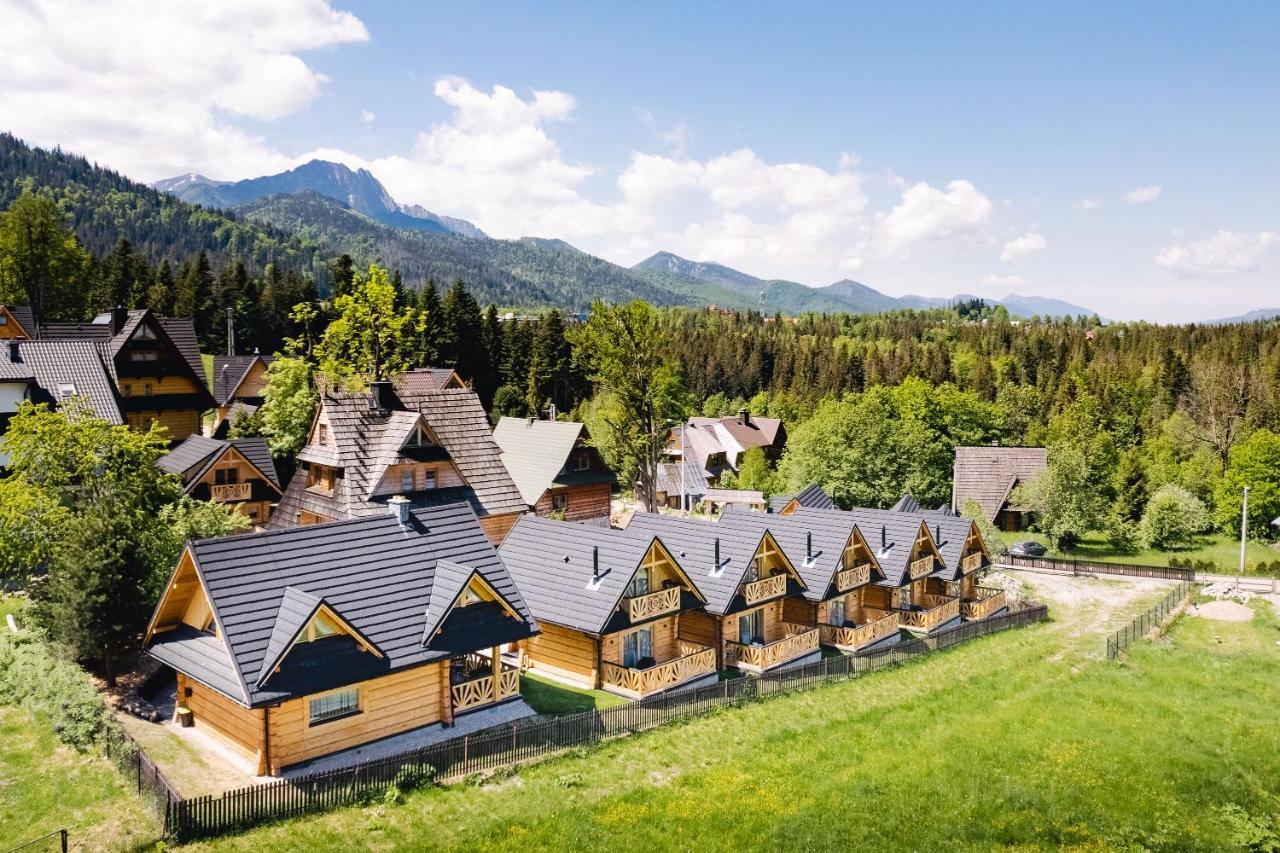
[
  {"x": 428, "y": 478},
  {"x": 4, "y": 319},
  {"x": 226, "y": 476},
  {"x": 835, "y": 612},
  {"x": 147, "y": 390},
  {"x": 637, "y": 648},
  {"x": 751, "y": 628},
  {"x": 418, "y": 438},
  {"x": 324, "y": 434},
  {"x": 559, "y": 501},
  {"x": 144, "y": 333},
  {"x": 406, "y": 480},
  {"x": 66, "y": 390},
  {"x": 904, "y": 597},
  {"x": 320, "y": 477},
  {"x": 639, "y": 583},
  {"x": 582, "y": 462},
  {"x": 753, "y": 571},
  {"x": 318, "y": 628},
  {"x": 333, "y": 705},
  {"x": 126, "y": 389},
  {"x": 144, "y": 355}
]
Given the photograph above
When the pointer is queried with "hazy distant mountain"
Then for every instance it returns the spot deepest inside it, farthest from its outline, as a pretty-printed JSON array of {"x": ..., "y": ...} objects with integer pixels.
[
  {"x": 359, "y": 190},
  {"x": 1027, "y": 306},
  {"x": 1251, "y": 317}
]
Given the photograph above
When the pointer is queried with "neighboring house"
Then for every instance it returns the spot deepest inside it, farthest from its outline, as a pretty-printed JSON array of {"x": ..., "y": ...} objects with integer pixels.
[
  {"x": 668, "y": 484},
  {"x": 988, "y": 475},
  {"x": 838, "y": 567},
  {"x": 811, "y": 496},
  {"x": 422, "y": 379},
  {"x": 154, "y": 363},
  {"x": 556, "y": 469},
  {"x": 907, "y": 555},
  {"x": 433, "y": 447},
  {"x": 238, "y": 472},
  {"x": 238, "y": 383},
  {"x": 745, "y": 578},
  {"x": 16, "y": 323},
  {"x": 291, "y": 645},
  {"x": 612, "y": 606},
  {"x": 54, "y": 372},
  {"x": 738, "y": 434}
]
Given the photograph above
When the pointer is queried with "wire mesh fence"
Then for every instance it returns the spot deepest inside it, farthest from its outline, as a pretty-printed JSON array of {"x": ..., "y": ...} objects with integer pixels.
[{"x": 1146, "y": 622}]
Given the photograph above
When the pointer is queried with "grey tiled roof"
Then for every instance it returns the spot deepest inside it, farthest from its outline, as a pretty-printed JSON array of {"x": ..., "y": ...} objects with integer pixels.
[
  {"x": 890, "y": 536},
  {"x": 193, "y": 456},
  {"x": 12, "y": 367},
  {"x": 229, "y": 371},
  {"x": 553, "y": 563},
  {"x": 811, "y": 496},
  {"x": 535, "y": 453},
  {"x": 78, "y": 363},
  {"x": 693, "y": 544},
  {"x": 988, "y": 474},
  {"x": 378, "y": 576},
  {"x": 668, "y": 480},
  {"x": 181, "y": 332}
]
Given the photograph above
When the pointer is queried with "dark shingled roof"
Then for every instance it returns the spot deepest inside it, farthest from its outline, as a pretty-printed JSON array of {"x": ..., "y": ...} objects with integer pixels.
[
  {"x": 988, "y": 474},
  {"x": 377, "y": 576},
  {"x": 193, "y": 456},
  {"x": 367, "y": 439},
  {"x": 24, "y": 317},
  {"x": 78, "y": 363},
  {"x": 229, "y": 371},
  {"x": 812, "y": 496},
  {"x": 553, "y": 563},
  {"x": 892, "y": 550},
  {"x": 693, "y": 544}
]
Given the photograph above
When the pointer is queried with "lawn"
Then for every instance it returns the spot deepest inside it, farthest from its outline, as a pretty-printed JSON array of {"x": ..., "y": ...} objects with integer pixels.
[
  {"x": 551, "y": 697},
  {"x": 46, "y": 786},
  {"x": 1028, "y": 739},
  {"x": 10, "y": 604},
  {"x": 1222, "y": 550}
]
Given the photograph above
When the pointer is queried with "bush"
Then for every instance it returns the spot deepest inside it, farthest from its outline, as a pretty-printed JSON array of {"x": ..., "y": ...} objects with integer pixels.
[
  {"x": 1124, "y": 535},
  {"x": 1172, "y": 519},
  {"x": 34, "y": 678}
]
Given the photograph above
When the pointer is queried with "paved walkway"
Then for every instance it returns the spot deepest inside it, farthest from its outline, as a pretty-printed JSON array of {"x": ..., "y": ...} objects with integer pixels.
[{"x": 416, "y": 739}]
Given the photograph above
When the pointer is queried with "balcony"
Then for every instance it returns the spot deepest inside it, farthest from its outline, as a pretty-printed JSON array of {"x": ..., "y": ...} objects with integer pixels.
[
  {"x": 231, "y": 492},
  {"x": 642, "y": 607},
  {"x": 878, "y": 624},
  {"x": 929, "y": 612},
  {"x": 987, "y": 601},
  {"x": 921, "y": 567},
  {"x": 971, "y": 563},
  {"x": 473, "y": 685},
  {"x": 694, "y": 661},
  {"x": 859, "y": 575},
  {"x": 759, "y": 658},
  {"x": 764, "y": 589}
]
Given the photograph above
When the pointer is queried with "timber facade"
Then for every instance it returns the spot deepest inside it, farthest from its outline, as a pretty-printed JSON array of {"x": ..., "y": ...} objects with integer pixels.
[
  {"x": 240, "y": 473},
  {"x": 557, "y": 470}
]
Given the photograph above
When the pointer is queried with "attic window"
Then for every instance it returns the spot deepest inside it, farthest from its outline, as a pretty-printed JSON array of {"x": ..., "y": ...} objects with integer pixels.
[
  {"x": 66, "y": 390},
  {"x": 419, "y": 437},
  {"x": 318, "y": 628},
  {"x": 582, "y": 462},
  {"x": 323, "y": 434},
  {"x": 144, "y": 333},
  {"x": 144, "y": 355}
]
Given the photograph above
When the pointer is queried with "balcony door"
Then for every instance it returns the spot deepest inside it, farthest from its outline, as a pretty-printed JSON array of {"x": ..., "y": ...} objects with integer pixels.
[
  {"x": 637, "y": 648},
  {"x": 751, "y": 627},
  {"x": 836, "y": 612}
]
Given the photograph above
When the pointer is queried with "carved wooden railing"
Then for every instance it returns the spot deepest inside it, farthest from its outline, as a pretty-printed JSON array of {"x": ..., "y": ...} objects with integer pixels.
[
  {"x": 935, "y": 610},
  {"x": 480, "y": 691},
  {"x": 971, "y": 563},
  {"x": 654, "y": 604},
  {"x": 780, "y": 651},
  {"x": 882, "y": 624},
  {"x": 232, "y": 492},
  {"x": 921, "y": 567},
  {"x": 856, "y": 576},
  {"x": 989, "y": 600},
  {"x": 764, "y": 589},
  {"x": 694, "y": 660}
]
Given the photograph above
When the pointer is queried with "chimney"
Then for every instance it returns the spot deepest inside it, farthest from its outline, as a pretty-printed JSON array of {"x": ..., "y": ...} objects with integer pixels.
[
  {"x": 119, "y": 316},
  {"x": 884, "y": 537},
  {"x": 937, "y": 534},
  {"x": 808, "y": 545},
  {"x": 399, "y": 506},
  {"x": 15, "y": 354},
  {"x": 716, "y": 567},
  {"x": 383, "y": 397},
  {"x": 744, "y": 417},
  {"x": 595, "y": 564}
]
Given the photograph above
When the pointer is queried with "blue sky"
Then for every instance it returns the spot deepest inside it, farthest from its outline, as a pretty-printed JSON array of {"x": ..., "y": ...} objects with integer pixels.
[{"x": 926, "y": 148}]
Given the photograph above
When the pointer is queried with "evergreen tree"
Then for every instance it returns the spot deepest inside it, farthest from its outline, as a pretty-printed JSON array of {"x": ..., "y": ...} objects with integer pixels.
[
  {"x": 491, "y": 338},
  {"x": 342, "y": 275},
  {"x": 430, "y": 322},
  {"x": 462, "y": 347},
  {"x": 161, "y": 293},
  {"x": 548, "y": 365},
  {"x": 41, "y": 261}
]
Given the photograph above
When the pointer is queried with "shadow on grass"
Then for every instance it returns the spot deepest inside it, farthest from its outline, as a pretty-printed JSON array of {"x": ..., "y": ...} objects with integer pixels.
[{"x": 551, "y": 697}]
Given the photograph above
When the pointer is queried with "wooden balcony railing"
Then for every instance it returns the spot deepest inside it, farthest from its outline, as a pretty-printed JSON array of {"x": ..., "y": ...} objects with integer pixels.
[
  {"x": 921, "y": 567},
  {"x": 476, "y": 692},
  {"x": 804, "y": 641},
  {"x": 988, "y": 601},
  {"x": 882, "y": 625},
  {"x": 232, "y": 492},
  {"x": 653, "y": 604},
  {"x": 765, "y": 589},
  {"x": 694, "y": 660},
  {"x": 971, "y": 563},
  {"x": 859, "y": 575},
  {"x": 935, "y": 610}
]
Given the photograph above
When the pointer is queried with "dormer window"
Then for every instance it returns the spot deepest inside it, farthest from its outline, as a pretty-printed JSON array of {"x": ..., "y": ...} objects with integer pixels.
[
  {"x": 66, "y": 390},
  {"x": 428, "y": 478},
  {"x": 406, "y": 480},
  {"x": 144, "y": 333},
  {"x": 419, "y": 437}
]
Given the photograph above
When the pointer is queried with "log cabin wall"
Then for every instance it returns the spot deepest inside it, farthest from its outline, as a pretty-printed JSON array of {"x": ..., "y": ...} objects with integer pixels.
[
  {"x": 496, "y": 527},
  {"x": 581, "y": 503},
  {"x": 231, "y": 723},
  {"x": 699, "y": 626},
  {"x": 563, "y": 653}
]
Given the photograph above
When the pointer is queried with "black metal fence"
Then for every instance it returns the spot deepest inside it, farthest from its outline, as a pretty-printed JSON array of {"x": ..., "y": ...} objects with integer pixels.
[
  {"x": 1126, "y": 636},
  {"x": 1095, "y": 567},
  {"x": 518, "y": 742},
  {"x": 142, "y": 772},
  {"x": 56, "y": 840}
]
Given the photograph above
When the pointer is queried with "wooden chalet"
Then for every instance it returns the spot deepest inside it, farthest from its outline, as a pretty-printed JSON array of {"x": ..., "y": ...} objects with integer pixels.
[
  {"x": 154, "y": 363},
  {"x": 612, "y": 605},
  {"x": 989, "y": 474},
  {"x": 238, "y": 385},
  {"x": 239, "y": 472},
  {"x": 555, "y": 467},
  {"x": 423, "y": 379},
  {"x": 965, "y": 556},
  {"x": 295, "y": 644},
  {"x": 735, "y": 435},
  {"x": 840, "y": 571},
  {"x": 17, "y": 323},
  {"x": 746, "y": 580},
  {"x": 432, "y": 447}
]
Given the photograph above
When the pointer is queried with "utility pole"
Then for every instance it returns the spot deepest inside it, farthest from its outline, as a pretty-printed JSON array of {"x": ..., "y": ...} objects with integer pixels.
[
  {"x": 683, "y": 492},
  {"x": 1244, "y": 526},
  {"x": 231, "y": 331}
]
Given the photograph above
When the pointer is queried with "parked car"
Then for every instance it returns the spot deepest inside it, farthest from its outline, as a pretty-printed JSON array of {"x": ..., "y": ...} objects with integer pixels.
[{"x": 1028, "y": 548}]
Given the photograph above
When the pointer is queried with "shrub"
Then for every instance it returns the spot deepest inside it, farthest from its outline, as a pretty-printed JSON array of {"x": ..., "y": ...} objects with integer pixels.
[
  {"x": 1172, "y": 519},
  {"x": 34, "y": 678}
]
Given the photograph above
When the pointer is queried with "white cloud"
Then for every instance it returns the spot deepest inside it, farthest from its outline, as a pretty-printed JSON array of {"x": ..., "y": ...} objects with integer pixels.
[
  {"x": 1088, "y": 203},
  {"x": 926, "y": 213},
  {"x": 1004, "y": 280},
  {"x": 1224, "y": 253},
  {"x": 157, "y": 91},
  {"x": 367, "y": 117},
  {"x": 1143, "y": 195},
  {"x": 1027, "y": 244}
]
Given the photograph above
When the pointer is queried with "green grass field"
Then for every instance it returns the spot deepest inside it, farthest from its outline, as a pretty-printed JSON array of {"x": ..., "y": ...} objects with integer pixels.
[
  {"x": 551, "y": 697},
  {"x": 1222, "y": 550},
  {"x": 1028, "y": 739}
]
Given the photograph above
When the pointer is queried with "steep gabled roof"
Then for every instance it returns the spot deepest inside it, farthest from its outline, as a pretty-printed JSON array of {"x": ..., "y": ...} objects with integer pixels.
[
  {"x": 229, "y": 371},
  {"x": 195, "y": 454},
  {"x": 812, "y": 496},
  {"x": 424, "y": 379},
  {"x": 890, "y": 536},
  {"x": 377, "y": 575},
  {"x": 535, "y": 453},
  {"x": 693, "y": 544},
  {"x": 949, "y": 533},
  {"x": 23, "y": 316},
  {"x": 988, "y": 474},
  {"x": 78, "y": 363},
  {"x": 553, "y": 563}
]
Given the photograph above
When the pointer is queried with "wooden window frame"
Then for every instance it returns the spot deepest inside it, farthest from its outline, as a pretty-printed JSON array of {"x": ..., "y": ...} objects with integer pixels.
[{"x": 357, "y": 710}]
